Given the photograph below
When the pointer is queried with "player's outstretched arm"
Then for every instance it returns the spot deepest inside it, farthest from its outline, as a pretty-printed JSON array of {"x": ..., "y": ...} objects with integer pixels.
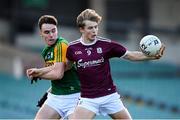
[
  {"x": 54, "y": 72},
  {"x": 139, "y": 56}
]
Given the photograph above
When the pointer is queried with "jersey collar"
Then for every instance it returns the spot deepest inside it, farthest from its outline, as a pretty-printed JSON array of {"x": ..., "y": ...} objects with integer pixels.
[{"x": 88, "y": 44}]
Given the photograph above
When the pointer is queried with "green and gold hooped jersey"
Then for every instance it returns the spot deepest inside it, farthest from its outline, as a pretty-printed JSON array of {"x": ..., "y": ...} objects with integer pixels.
[{"x": 57, "y": 53}]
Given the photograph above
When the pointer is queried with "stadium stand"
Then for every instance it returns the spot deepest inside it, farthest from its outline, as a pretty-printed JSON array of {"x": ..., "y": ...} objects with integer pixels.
[{"x": 18, "y": 98}]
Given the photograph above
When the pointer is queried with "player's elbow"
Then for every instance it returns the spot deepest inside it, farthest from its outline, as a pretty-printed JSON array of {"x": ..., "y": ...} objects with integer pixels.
[
  {"x": 58, "y": 75},
  {"x": 130, "y": 57}
]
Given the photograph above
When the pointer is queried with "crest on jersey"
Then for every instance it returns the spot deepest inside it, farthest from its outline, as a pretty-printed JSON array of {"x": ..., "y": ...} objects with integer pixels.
[
  {"x": 88, "y": 50},
  {"x": 99, "y": 50},
  {"x": 49, "y": 56}
]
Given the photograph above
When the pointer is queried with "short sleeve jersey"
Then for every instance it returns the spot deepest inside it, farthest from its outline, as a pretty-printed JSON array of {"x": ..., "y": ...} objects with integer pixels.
[
  {"x": 57, "y": 53},
  {"x": 92, "y": 62}
]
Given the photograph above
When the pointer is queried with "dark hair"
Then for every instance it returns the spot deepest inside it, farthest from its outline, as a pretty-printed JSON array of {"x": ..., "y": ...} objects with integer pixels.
[{"x": 48, "y": 19}]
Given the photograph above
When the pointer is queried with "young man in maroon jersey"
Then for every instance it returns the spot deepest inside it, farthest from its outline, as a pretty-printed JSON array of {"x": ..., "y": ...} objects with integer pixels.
[{"x": 91, "y": 55}]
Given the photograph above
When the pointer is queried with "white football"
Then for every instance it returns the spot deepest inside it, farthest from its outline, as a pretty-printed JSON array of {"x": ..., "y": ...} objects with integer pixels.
[{"x": 150, "y": 45}]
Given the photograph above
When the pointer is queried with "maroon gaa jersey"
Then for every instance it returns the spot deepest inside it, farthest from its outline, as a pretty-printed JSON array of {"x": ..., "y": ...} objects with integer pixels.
[{"x": 93, "y": 67}]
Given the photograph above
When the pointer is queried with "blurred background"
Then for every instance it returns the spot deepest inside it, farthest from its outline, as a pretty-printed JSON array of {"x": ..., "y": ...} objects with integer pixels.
[{"x": 150, "y": 90}]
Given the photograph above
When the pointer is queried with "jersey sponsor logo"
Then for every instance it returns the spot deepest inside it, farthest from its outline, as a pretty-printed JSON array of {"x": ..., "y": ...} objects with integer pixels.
[
  {"x": 88, "y": 50},
  {"x": 78, "y": 52},
  {"x": 85, "y": 64},
  {"x": 99, "y": 50}
]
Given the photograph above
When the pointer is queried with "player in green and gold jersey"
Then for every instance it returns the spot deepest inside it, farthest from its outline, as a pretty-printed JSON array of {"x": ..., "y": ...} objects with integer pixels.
[{"x": 65, "y": 86}]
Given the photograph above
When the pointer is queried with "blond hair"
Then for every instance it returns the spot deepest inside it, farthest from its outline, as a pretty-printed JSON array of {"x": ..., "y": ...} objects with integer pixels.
[{"x": 87, "y": 14}]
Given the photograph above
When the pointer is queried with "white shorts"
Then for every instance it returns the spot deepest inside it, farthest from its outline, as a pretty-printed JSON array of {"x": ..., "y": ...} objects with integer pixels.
[
  {"x": 108, "y": 104},
  {"x": 63, "y": 104}
]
